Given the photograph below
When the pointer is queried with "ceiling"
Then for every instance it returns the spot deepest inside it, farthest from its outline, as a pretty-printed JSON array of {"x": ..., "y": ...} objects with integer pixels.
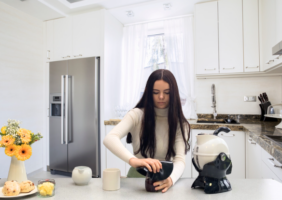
[{"x": 143, "y": 10}]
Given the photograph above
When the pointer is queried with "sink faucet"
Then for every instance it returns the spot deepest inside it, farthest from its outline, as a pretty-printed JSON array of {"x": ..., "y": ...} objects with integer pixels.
[{"x": 213, "y": 101}]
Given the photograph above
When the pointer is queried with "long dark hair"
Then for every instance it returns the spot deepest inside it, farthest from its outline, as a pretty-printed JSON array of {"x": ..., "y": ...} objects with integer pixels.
[{"x": 175, "y": 116}]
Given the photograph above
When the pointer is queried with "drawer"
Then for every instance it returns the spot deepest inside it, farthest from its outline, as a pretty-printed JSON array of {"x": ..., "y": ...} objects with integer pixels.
[
  {"x": 267, "y": 173},
  {"x": 272, "y": 163}
]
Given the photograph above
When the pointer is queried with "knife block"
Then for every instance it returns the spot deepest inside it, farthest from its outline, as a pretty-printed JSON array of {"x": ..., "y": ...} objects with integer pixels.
[{"x": 263, "y": 108}]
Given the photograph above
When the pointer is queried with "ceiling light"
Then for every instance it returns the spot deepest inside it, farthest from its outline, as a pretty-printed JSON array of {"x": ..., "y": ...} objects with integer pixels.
[
  {"x": 167, "y": 6},
  {"x": 129, "y": 13}
]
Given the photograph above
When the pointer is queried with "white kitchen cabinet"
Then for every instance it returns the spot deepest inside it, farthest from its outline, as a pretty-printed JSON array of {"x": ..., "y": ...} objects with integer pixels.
[
  {"x": 78, "y": 36},
  {"x": 236, "y": 144},
  {"x": 268, "y": 32},
  {"x": 272, "y": 164},
  {"x": 187, "y": 173},
  {"x": 49, "y": 40},
  {"x": 206, "y": 38},
  {"x": 62, "y": 38},
  {"x": 87, "y": 34},
  {"x": 230, "y": 36},
  {"x": 251, "y": 35},
  {"x": 267, "y": 173},
  {"x": 254, "y": 161},
  {"x": 112, "y": 161}
]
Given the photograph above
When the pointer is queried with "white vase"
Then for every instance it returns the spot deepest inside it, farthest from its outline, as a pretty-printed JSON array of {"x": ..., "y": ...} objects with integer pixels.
[{"x": 17, "y": 170}]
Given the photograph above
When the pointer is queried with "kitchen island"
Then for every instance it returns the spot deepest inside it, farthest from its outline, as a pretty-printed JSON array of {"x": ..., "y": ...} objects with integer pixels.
[{"x": 134, "y": 188}]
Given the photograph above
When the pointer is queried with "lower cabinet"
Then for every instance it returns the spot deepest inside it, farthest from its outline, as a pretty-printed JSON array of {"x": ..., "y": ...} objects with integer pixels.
[
  {"x": 254, "y": 162},
  {"x": 236, "y": 143}
]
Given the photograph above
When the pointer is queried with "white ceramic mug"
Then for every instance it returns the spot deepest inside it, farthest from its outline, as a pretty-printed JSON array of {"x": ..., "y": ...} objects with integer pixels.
[{"x": 111, "y": 179}]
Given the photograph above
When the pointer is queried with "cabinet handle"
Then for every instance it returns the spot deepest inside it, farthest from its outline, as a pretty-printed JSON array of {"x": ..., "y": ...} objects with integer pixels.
[
  {"x": 78, "y": 55},
  {"x": 229, "y": 68},
  {"x": 250, "y": 139},
  {"x": 230, "y": 135},
  {"x": 278, "y": 166},
  {"x": 271, "y": 159},
  {"x": 252, "y": 67},
  {"x": 210, "y": 69},
  {"x": 270, "y": 61},
  {"x": 48, "y": 54},
  {"x": 253, "y": 143},
  {"x": 278, "y": 57},
  {"x": 66, "y": 57}
]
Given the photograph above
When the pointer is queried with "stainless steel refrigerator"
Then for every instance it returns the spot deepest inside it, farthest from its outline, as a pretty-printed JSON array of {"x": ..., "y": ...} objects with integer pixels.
[{"x": 74, "y": 131}]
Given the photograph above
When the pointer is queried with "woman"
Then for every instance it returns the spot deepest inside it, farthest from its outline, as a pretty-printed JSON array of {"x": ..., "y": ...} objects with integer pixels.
[{"x": 157, "y": 129}]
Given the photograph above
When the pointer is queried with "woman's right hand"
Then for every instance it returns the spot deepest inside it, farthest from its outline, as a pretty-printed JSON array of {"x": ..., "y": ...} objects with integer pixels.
[{"x": 151, "y": 164}]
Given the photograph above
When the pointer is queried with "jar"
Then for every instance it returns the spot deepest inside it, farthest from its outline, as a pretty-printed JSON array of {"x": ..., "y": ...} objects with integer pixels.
[{"x": 46, "y": 187}]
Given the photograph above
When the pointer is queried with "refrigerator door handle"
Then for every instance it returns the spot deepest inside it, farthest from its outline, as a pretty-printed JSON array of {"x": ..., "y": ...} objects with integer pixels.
[
  {"x": 67, "y": 109},
  {"x": 62, "y": 107},
  {"x": 97, "y": 106}
]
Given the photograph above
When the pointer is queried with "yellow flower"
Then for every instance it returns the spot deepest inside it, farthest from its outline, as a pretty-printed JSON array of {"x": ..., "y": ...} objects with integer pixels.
[
  {"x": 23, "y": 152},
  {"x": 25, "y": 135},
  {"x": 22, "y": 130},
  {"x": 3, "y": 130},
  {"x": 11, "y": 150},
  {"x": 7, "y": 140}
]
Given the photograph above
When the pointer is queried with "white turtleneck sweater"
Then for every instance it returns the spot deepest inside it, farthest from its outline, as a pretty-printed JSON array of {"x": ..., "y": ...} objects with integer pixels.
[{"x": 132, "y": 123}]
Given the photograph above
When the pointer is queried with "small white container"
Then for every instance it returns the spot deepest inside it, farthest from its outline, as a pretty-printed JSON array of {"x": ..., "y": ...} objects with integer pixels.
[
  {"x": 81, "y": 175},
  {"x": 111, "y": 179}
]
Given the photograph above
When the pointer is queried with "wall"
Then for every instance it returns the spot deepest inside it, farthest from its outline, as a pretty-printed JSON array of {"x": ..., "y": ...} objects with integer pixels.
[
  {"x": 21, "y": 86},
  {"x": 112, "y": 64},
  {"x": 230, "y": 93}
]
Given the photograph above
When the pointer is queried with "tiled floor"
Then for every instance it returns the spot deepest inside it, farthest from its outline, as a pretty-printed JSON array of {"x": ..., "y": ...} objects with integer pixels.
[{"x": 45, "y": 175}]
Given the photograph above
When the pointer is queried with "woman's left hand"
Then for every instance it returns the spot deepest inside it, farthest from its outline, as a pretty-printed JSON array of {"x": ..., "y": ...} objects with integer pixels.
[{"x": 163, "y": 185}]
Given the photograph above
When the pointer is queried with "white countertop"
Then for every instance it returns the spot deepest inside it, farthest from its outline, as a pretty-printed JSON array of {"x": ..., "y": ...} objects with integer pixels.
[{"x": 134, "y": 188}]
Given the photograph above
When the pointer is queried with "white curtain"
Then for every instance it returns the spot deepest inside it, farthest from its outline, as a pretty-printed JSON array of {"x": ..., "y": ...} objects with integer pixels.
[
  {"x": 133, "y": 61},
  {"x": 179, "y": 47}
]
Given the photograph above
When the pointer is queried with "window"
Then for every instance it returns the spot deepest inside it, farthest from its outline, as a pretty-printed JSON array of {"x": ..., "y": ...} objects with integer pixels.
[{"x": 156, "y": 57}]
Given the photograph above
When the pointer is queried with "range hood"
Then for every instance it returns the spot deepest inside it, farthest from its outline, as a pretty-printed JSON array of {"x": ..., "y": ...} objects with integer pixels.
[{"x": 277, "y": 49}]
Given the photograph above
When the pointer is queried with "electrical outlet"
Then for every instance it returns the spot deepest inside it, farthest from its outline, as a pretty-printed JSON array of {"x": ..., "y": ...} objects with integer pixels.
[{"x": 250, "y": 98}]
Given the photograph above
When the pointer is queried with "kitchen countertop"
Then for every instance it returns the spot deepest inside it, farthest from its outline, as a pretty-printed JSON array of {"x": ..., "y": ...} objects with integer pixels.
[
  {"x": 134, "y": 188},
  {"x": 255, "y": 128}
]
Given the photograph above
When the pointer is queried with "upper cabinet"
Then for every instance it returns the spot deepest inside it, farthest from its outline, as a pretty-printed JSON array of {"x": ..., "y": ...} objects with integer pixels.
[
  {"x": 206, "y": 48},
  {"x": 62, "y": 38},
  {"x": 49, "y": 40},
  {"x": 237, "y": 36},
  {"x": 76, "y": 36},
  {"x": 87, "y": 34},
  {"x": 251, "y": 35},
  {"x": 268, "y": 32},
  {"x": 230, "y": 36}
]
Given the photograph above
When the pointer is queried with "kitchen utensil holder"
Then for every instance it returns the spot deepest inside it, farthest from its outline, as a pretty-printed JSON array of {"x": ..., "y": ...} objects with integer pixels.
[{"x": 263, "y": 108}]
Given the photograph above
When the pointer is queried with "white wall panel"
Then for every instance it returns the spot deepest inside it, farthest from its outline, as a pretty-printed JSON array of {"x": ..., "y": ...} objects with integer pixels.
[{"x": 21, "y": 86}]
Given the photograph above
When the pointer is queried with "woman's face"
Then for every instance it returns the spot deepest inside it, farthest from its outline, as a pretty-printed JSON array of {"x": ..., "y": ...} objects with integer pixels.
[{"x": 161, "y": 94}]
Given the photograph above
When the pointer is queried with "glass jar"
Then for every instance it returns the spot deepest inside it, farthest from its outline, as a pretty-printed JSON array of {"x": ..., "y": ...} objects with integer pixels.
[{"x": 46, "y": 187}]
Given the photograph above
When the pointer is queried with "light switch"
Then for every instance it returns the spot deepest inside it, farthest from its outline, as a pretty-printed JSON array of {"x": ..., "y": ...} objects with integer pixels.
[{"x": 250, "y": 98}]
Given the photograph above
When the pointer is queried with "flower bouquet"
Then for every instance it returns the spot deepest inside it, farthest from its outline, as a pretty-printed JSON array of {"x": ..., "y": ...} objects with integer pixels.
[{"x": 17, "y": 143}]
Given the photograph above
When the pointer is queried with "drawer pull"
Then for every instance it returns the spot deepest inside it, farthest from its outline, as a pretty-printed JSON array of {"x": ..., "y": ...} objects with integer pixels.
[
  {"x": 252, "y": 67},
  {"x": 253, "y": 143},
  {"x": 270, "y": 61},
  {"x": 250, "y": 139},
  {"x": 278, "y": 166},
  {"x": 229, "y": 68},
  {"x": 271, "y": 159},
  {"x": 211, "y": 69},
  {"x": 230, "y": 135}
]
